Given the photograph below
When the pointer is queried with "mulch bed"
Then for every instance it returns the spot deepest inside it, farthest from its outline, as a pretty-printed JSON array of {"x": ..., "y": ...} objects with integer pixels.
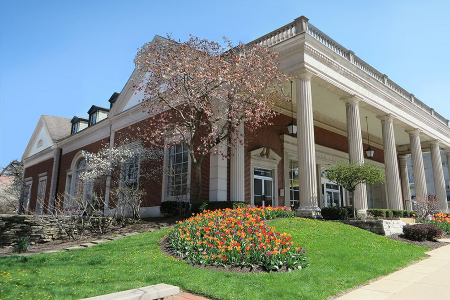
[{"x": 430, "y": 244}]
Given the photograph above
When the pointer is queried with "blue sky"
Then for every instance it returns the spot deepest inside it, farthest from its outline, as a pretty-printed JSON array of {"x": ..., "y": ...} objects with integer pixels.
[{"x": 60, "y": 57}]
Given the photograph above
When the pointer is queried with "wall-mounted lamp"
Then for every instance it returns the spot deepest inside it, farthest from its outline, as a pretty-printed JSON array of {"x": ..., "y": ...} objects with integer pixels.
[
  {"x": 292, "y": 127},
  {"x": 369, "y": 151}
]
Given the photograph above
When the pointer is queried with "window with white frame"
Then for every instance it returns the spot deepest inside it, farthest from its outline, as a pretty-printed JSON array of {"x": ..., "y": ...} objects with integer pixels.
[
  {"x": 41, "y": 195},
  {"x": 177, "y": 170},
  {"x": 26, "y": 196},
  {"x": 82, "y": 190},
  {"x": 130, "y": 173}
]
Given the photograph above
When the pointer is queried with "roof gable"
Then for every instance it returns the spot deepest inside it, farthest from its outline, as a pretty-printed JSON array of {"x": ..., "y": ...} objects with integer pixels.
[{"x": 48, "y": 131}]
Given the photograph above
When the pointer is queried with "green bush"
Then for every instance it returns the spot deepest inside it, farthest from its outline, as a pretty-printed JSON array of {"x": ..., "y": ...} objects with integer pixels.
[
  {"x": 23, "y": 244},
  {"x": 390, "y": 213},
  {"x": 422, "y": 232},
  {"x": 174, "y": 208},
  {"x": 215, "y": 205},
  {"x": 377, "y": 213},
  {"x": 397, "y": 213},
  {"x": 350, "y": 211},
  {"x": 334, "y": 213}
]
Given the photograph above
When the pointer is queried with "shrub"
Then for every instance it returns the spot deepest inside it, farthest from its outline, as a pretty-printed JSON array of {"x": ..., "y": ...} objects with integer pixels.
[
  {"x": 351, "y": 211},
  {"x": 377, "y": 213},
  {"x": 334, "y": 213},
  {"x": 23, "y": 244},
  {"x": 389, "y": 213},
  {"x": 215, "y": 205},
  {"x": 422, "y": 232},
  {"x": 237, "y": 237},
  {"x": 174, "y": 208},
  {"x": 397, "y": 213}
]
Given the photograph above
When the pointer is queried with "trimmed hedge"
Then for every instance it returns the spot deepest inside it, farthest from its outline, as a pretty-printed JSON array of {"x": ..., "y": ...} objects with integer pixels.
[
  {"x": 334, "y": 213},
  {"x": 174, "y": 208},
  {"x": 215, "y": 205},
  {"x": 422, "y": 232},
  {"x": 390, "y": 213}
]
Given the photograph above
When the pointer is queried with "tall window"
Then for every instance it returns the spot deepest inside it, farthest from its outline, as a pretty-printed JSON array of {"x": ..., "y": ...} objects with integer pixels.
[
  {"x": 79, "y": 183},
  {"x": 82, "y": 190},
  {"x": 41, "y": 195},
  {"x": 293, "y": 183},
  {"x": 26, "y": 196},
  {"x": 130, "y": 173},
  {"x": 177, "y": 173}
]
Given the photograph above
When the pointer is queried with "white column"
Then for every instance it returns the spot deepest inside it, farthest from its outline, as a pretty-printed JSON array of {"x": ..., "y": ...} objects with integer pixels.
[
  {"x": 237, "y": 167},
  {"x": 218, "y": 174},
  {"x": 420, "y": 183},
  {"x": 406, "y": 189},
  {"x": 393, "y": 186},
  {"x": 355, "y": 150},
  {"x": 306, "y": 148},
  {"x": 438, "y": 175}
]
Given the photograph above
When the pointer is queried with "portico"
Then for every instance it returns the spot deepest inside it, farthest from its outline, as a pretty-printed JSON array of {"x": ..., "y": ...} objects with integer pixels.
[{"x": 335, "y": 91}]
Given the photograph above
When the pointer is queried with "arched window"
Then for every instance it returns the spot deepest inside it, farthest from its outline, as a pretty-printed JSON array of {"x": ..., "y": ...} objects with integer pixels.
[{"x": 79, "y": 183}]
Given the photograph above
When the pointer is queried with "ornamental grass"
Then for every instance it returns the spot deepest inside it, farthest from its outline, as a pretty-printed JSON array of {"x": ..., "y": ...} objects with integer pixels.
[{"x": 237, "y": 237}]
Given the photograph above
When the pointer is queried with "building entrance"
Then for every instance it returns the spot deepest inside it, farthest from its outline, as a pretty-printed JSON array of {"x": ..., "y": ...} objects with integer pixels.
[{"x": 263, "y": 187}]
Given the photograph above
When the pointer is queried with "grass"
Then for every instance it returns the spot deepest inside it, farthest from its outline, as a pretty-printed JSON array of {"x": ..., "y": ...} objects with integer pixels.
[{"x": 340, "y": 257}]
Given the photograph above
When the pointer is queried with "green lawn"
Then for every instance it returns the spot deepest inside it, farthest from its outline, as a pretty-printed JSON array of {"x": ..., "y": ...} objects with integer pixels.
[{"x": 340, "y": 257}]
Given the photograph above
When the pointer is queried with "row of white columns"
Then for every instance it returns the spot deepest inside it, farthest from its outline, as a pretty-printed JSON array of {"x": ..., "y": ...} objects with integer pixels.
[{"x": 396, "y": 186}]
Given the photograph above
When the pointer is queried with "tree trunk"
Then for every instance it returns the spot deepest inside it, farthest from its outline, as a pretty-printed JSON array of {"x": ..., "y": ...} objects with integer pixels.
[{"x": 198, "y": 179}]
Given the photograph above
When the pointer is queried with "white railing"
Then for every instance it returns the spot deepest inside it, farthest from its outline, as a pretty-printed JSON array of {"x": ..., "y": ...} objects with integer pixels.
[
  {"x": 277, "y": 36},
  {"x": 283, "y": 33},
  {"x": 327, "y": 41}
]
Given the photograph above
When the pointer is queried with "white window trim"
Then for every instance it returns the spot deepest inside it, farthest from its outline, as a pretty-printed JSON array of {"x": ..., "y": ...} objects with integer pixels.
[
  {"x": 42, "y": 177},
  {"x": 138, "y": 172},
  {"x": 70, "y": 182},
  {"x": 28, "y": 185},
  {"x": 269, "y": 163},
  {"x": 164, "y": 196}
]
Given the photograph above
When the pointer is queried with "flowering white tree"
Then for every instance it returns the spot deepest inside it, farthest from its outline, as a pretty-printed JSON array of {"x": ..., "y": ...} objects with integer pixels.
[
  {"x": 11, "y": 188},
  {"x": 199, "y": 92},
  {"x": 122, "y": 166}
]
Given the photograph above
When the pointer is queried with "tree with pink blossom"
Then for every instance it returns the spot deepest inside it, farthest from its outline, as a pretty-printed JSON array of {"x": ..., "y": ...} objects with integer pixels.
[{"x": 199, "y": 93}]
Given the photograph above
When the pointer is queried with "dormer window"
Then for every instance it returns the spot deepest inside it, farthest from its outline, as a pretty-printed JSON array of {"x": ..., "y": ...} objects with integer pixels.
[
  {"x": 78, "y": 124},
  {"x": 97, "y": 114}
]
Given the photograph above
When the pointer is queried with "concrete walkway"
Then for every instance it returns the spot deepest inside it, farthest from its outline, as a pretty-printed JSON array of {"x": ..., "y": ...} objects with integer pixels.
[{"x": 426, "y": 279}]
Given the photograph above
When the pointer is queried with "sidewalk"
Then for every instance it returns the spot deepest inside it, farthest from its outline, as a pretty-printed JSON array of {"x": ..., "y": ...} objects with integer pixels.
[{"x": 426, "y": 279}]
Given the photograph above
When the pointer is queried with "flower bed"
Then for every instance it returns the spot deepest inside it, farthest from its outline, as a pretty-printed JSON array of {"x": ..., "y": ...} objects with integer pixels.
[
  {"x": 441, "y": 220},
  {"x": 237, "y": 237}
]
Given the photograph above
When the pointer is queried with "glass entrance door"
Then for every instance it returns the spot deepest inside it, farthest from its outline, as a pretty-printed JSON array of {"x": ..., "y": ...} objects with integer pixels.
[
  {"x": 332, "y": 195},
  {"x": 262, "y": 187}
]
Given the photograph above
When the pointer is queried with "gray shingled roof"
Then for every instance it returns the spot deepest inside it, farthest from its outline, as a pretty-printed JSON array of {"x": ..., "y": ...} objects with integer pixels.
[{"x": 58, "y": 127}]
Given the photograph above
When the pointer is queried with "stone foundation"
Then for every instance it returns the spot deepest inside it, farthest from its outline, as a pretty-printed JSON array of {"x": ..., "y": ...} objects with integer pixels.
[
  {"x": 381, "y": 227},
  {"x": 39, "y": 229}
]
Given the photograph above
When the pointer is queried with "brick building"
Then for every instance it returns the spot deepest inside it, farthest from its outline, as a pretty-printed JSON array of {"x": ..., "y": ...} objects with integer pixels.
[{"x": 334, "y": 94}]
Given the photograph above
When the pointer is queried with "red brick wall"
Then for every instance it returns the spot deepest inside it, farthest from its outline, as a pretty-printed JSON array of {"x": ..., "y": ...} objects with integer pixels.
[{"x": 33, "y": 172}]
